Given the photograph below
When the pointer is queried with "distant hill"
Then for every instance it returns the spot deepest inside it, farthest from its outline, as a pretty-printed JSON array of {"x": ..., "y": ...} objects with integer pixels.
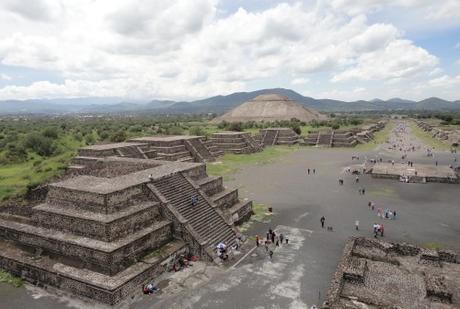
[
  {"x": 217, "y": 104},
  {"x": 270, "y": 107}
]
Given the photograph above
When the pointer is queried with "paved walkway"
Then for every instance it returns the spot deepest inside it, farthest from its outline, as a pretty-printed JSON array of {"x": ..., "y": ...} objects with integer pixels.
[{"x": 275, "y": 283}]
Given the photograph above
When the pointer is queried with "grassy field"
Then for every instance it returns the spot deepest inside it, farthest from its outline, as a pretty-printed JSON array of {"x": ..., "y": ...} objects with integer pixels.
[
  {"x": 16, "y": 178},
  {"x": 427, "y": 138},
  {"x": 231, "y": 163}
]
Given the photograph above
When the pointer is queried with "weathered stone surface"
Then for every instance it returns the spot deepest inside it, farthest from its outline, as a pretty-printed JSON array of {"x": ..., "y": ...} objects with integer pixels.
[
  {"x": 377, "y": 274},
  {"x": 109, "y": 213}
]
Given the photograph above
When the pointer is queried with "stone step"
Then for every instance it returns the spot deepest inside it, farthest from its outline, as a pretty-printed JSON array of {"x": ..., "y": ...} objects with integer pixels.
[
  {"x": 84, "y": 282},
  {"x": 225, "y": 146},
  {"x": 105, "y": 257},
  {"x": 203, "y": 218},
  {"x": 243, "y": 209},
  {"x": 104, "y": 227},
  {"x": 211, "y": 185},
  {"x": 174, "y": 156},
  {"x": 169, "y": 149},
  {"x": 225, "y": 198}
]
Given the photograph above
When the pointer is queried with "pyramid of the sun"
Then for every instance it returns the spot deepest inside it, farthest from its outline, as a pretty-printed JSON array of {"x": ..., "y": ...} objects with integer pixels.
[{"x": 270, "y": 107}]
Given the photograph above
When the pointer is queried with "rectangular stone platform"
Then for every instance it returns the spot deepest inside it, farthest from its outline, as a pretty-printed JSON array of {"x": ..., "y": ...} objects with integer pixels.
[
  {"x": 378, "y": 274},
  {"x": 83, "y": 282},
  {"x": 105, "y": 257},
  {"x": 104, "y": 227},
  {"x": 420, "y": 173}
]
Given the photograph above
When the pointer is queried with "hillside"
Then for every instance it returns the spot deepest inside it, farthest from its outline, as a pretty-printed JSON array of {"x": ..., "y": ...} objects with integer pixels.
[{"x": 217, "y": 104}]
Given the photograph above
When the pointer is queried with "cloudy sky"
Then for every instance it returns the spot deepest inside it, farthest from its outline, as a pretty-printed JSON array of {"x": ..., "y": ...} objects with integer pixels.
[{"x": 189, "y": 49}]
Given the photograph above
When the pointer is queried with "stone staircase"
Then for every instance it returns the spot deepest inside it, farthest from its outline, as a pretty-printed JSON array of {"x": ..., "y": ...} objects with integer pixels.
[
  {"x": 324, "y": 139},
  {"x": 131, "y": 152},
  {"x": 269, "y": 137},
  {"x": 203, "y": 217},
  {"x": 197, "y": 148}
]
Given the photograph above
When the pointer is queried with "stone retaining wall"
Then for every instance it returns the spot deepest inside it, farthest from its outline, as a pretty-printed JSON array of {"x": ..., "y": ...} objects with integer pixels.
[
  {"x": 105, "y": 262},
  {"x": 95, "y": 229}
]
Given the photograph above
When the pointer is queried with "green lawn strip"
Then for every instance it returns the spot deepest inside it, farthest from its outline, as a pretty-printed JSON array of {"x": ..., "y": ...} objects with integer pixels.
[
  {"x": 426, "y": 138},
  {"x": 433, "y": 245},
  {"x": 231, "y": 163},
  {"x": 379, "y": 138},
  {"x": 8, "y": 278}
]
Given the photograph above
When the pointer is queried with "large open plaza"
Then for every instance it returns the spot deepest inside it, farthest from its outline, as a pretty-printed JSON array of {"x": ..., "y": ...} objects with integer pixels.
[{"x": 300, "y": 272}]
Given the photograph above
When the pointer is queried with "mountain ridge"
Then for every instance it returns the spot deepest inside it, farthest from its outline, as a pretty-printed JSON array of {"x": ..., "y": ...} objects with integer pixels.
[{"x": 216, "y": 104}]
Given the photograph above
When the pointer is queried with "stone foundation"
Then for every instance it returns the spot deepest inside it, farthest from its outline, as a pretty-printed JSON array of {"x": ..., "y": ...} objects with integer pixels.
[{"x": 377, "y": 274}]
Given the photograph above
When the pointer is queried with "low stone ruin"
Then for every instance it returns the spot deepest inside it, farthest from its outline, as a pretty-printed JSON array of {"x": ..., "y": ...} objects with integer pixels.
[
  {"x": 341, "y": 138},
  {"x": 170, "y": 148},
  {"x": 278, "y": 136},
  {"x": 378, "y": 274},
  {"x": 446, "y": 134},
  {"x": 114, "y": 223},
  {"x": 233, "y": 142},
  {"x": 417, "y": 173}
]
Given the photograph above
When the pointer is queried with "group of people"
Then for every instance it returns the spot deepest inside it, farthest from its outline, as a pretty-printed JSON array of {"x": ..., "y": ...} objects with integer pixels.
[
  {"x": 378, "y": 228},
  {"x": 386, "y": 213},
  {"x": 272, "y": 238},
  {"x": 221, "y": 251},
  {"x": 311, "y": 170}
]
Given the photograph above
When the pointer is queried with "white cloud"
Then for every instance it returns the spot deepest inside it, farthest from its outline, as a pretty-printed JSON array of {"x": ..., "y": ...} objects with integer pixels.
[
  {"x": 5, "y": 76},
  {"x": 426, "y": 9},
  {"x": 445, "y": 81},
  {"x": 184, "y": 49},
  {"x": 457, "y": 45},
  {"x": 300, "y": 81},
  {"x": 400, "y": 59}
]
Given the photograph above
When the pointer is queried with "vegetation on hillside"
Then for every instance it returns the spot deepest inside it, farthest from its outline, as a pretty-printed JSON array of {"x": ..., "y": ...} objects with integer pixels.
[{"x": 33, "y": 150}]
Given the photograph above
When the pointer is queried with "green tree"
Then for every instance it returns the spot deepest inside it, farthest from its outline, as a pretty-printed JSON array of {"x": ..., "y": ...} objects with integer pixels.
[{"x": 40, "y": 144}]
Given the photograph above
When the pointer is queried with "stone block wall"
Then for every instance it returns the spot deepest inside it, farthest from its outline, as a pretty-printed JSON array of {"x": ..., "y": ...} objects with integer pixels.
[{"x": 97, "y": 229}]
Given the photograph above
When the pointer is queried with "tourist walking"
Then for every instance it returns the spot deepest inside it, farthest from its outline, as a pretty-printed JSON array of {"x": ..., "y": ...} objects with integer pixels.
[
  {"x": 257, "y": 240},
  {"x": 194, "y": 200},
  {"x": 281, "y": 238},
  {"x": 357, "y": 179},
  {"x": 357, "y": 225},
  {"x": 270, "y": 254},
  {"x": 322, "y": 221},
  {"x": 308, "y": 171},
  {"x": 273, "y": 237},
  {"x": 381, "y": 230},
  {"x": 363, "y": 190},
  {"x": 314, "y": 171}
]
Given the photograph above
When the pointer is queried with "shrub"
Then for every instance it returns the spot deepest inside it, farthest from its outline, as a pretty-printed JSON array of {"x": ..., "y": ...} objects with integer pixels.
[
  {"x": 197, "y": 131},
  {"x": 40, "y": 144},
  {"x": 118, "y": 136},
  {"x": 50, "y": 132},
  {"x": 236, "y": 126}
]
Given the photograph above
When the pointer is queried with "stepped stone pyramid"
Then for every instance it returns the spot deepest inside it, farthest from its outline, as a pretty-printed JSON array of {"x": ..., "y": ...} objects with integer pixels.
[
  {"x": 270, "y": 107},
  {"x": 233, "y": 142},
  {"x": 278, "y": 136},
  {"x": 114, "y": 223},
  {"x": 171, "y": 148},
  {"x": 340, "y": 138}
]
